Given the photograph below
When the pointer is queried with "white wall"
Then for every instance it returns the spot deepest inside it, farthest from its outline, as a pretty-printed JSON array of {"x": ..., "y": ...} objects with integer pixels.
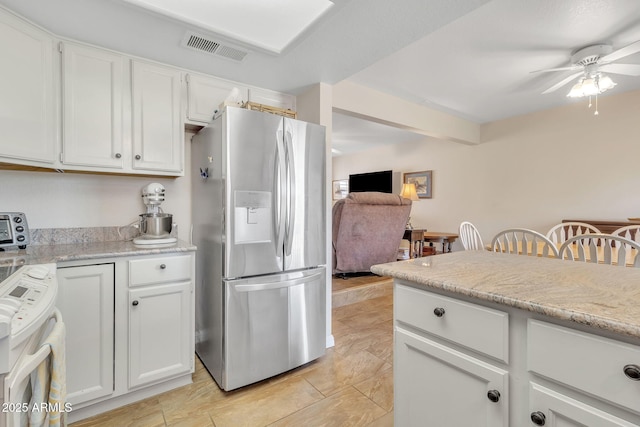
[
  {"x": 64, "y": 200},
  {"x": 529, "y": 171}
]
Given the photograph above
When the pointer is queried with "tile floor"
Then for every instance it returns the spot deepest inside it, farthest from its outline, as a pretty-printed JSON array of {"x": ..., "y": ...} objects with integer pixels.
[{"x": 351, "y": 385}]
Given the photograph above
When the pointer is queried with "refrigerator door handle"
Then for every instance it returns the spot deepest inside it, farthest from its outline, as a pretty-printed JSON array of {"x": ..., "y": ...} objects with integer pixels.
[
  {"x": 280, "y": 191},
  {"x": 291, "y": 184},
  {"x": 278, "y": 284}
]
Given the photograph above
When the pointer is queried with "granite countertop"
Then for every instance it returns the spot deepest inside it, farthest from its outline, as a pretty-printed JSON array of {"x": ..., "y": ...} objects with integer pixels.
[
  {"x": 600, "y": 296},
  {"x": 41, "y": 254}
]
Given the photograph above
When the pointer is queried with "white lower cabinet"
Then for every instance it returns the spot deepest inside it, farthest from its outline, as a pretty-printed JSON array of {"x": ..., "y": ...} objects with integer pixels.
[
  {"x": 549, "y": 408},
  {"x": 130, "y": 329},
  {"x": 159, "y": 333},
  {"x": 85, "y": 299},
  {"x": 438, "y": 386},
  {"x": 449, "y": 365}
]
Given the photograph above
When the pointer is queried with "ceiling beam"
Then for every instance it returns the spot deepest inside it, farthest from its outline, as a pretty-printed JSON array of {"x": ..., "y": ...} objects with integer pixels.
[{"x": 363, "y": 102}]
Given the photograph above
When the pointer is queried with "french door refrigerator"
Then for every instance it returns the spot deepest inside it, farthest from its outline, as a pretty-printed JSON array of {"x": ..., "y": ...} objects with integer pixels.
[{"x": 258, "y": 215}]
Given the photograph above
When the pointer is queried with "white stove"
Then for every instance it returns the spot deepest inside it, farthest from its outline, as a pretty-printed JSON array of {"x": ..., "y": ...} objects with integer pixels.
[{"x": 27, "y": 300}]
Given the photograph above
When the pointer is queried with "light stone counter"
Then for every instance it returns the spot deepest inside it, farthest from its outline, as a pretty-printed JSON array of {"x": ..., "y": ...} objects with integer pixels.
[
  {"x": 598, "y": 296},
  {"x": 40, "y": 254}
]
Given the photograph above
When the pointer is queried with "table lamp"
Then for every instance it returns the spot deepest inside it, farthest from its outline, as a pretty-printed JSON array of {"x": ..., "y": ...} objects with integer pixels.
[{"x": 409, "y": 192}]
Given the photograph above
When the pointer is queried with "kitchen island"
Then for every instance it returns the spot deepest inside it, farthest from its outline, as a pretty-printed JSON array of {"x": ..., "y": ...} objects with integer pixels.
[{"x": 491, "y": 339}]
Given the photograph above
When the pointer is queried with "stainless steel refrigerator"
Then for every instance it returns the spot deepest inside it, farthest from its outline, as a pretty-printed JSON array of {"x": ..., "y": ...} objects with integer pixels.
[{"x": 258, "y": 215}]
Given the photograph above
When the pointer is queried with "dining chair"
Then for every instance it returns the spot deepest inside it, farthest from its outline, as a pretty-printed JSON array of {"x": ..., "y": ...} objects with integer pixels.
[
  {"x": 470, "y": 237},
  {"x": 522, "y": 241},
  {"x": 631, "y": 232},
  {"x": 601, "y": 248},
  {"x": 566, "y": 230}
]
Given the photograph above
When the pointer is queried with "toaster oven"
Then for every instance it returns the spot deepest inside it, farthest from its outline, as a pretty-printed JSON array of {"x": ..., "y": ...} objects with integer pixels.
[{"x": 14, "y": 230}]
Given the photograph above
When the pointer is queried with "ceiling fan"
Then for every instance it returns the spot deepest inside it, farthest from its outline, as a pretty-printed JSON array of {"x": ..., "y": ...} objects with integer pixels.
[{"x": 592, "y": 61}]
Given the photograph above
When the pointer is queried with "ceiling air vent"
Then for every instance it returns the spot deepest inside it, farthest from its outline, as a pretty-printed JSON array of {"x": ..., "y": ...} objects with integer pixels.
[{"x": 203, "y": 44}]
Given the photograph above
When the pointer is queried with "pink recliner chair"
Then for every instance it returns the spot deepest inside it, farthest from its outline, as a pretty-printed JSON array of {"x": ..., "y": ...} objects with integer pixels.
[{"x": 367, "y": 230}]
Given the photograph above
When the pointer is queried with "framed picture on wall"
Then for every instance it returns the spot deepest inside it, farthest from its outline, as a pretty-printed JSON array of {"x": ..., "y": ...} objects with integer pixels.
[
  {"x": 340, "y": 189},
  {"x": 422, "y": 181}
]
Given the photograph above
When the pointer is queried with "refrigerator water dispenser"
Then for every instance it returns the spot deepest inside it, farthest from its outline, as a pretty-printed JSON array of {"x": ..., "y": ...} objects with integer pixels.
[{"x": 253, "y": 219}]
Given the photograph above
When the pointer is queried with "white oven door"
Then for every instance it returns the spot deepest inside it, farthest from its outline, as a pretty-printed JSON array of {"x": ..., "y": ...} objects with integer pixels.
[{"x": 18, "y": 388}]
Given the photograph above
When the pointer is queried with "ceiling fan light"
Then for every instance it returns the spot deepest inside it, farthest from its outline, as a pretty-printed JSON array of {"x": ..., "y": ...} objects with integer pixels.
[
  {"x": 605, "y": 83},
  {"x": 590, "y": 87},
  {"x": 576, "y": 91}
]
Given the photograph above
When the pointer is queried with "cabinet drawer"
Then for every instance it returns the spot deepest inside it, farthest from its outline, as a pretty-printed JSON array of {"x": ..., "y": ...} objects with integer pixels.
[
  {"x": 159, "y": 270},
  {"x": 479, "y": 328},
  {"x": 585, "y": 362}
]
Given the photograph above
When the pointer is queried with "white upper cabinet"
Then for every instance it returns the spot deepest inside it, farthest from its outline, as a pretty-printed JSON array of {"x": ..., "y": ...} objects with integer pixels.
[
  {"x": 205, "y": 94},
  {"x": 27, "y": 101},
  {"x": 92, "y": 94},
  {"x": 158, "y": 127}
]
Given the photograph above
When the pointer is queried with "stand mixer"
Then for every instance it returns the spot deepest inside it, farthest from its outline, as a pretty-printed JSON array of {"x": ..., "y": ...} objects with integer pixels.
[{"x": 155, "y": 226}]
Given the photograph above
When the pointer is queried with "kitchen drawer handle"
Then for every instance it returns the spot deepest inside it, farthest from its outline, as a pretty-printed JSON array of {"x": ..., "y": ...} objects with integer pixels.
[
  {"x": 163, "y": 266},
  {"x": 632, "y": 372},
  {"x": 493, "y": 395},
  {"x": 135, "y": 302},
  {"x": 538, "y": 418},
  {"x": 118, "y": 155},
  {"x": 138, "y": 157},
  {"x": 438, "y": 311}
]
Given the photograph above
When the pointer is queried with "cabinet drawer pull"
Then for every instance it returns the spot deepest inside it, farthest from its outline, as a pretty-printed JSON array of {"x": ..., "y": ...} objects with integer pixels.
[
  {"x": 118, "y": 155},
  {"x": 163, "y": 266},
  {"x": 632, "y": 372},
  {"x": 438, "y": 311},
  {"x": 538, "y": 418},
  {"x": 138, "y": 157},
  {"x": 493, "y": 395},
  {"x": 135, "y": 302}
]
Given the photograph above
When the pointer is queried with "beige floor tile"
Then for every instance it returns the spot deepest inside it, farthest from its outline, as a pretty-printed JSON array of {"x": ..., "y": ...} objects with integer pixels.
[
  {"x": 340, "y": 329},
  {"x": 348, "y": 408},
  {"x": 196, "y": 420},
  {"x": 379, "y": 388},
  {"x": 146, "y": 413},
  {"x": 376, "y": 337},
  {"x": 383, "y": 421},
  {"x": 343, "y": 370},
  {"x": 267, "y": 405},
  {"x": 191, "y": 401}
]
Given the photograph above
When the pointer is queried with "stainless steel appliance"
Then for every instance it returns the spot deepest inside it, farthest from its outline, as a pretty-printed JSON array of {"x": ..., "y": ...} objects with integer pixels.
[
  {"x": 14, "y": 230},
  {"x": 155, "y": 226},
  {"x": 258, "y": 215}
]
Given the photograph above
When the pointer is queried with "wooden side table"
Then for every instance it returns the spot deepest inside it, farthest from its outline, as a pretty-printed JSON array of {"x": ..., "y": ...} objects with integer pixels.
[
  {"x": 416, "y": 241},
  {"x": 436, "y": 237}
]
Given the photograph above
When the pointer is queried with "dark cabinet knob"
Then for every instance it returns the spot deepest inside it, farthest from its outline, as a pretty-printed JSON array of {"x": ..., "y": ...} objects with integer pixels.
[
  {"x": 163, "y": 266},
  {"x": 438, "y": 311},
  {"x": 538, "y": 418},
  {"x": 135, "y": 302},
  {"x": 138, "y": 156},
  {"x": 118, "y": 155},
  {"x": 632, "y": 372},
  {"x": 493, "y": 395}
]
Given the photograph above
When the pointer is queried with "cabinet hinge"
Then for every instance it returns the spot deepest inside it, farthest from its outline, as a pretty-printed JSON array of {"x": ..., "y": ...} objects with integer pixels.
[
  {"x": 186, "y": 78},
  {"x": 60, "y": 157},
  {"x": 60, "y": 48}
]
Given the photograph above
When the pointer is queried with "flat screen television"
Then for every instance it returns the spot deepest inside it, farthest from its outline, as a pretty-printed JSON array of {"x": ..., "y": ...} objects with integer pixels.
[{"x": 372, "y": 181}]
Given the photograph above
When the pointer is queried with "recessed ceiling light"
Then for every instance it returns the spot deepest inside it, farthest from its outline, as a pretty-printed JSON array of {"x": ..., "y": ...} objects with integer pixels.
[{"x": 268, "y": 25}]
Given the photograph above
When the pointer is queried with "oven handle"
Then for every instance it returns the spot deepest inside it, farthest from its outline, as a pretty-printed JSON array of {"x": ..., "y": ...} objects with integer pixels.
[{"x": 30, "y": 362}]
